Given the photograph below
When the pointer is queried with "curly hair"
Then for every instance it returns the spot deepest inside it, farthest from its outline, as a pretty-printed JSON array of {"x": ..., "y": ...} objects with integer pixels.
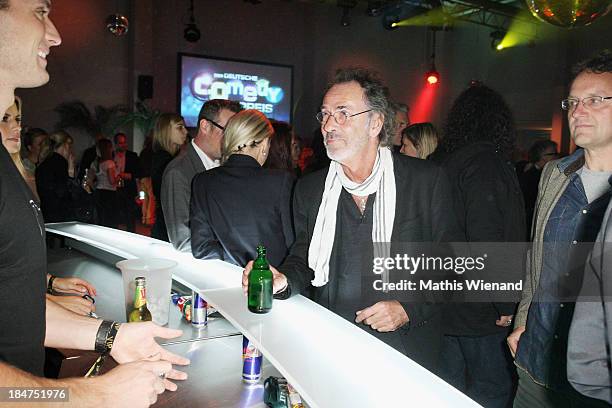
[
  {"x": 376, "y": 95},
  {"x": 479, "y": 114},
  {"x": 599, "y": 64}
]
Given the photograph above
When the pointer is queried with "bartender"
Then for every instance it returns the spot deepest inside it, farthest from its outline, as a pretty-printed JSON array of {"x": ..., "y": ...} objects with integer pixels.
[{"x": 28, "y": 321}]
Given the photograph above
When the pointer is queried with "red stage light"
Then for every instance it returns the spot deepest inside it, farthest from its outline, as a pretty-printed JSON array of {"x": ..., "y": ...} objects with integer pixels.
[{"x": 432, "y": 77}]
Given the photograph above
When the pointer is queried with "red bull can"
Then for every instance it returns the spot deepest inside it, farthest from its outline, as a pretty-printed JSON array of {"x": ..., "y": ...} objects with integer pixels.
[
  {"x": 199, "y": 309},
  {"x": 251, "y": 362}
]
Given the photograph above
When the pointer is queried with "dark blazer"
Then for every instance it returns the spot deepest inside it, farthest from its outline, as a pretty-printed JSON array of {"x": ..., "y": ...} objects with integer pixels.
[
  {"x": 423, "y": 214},
  {"x": 238, "y": 206}
]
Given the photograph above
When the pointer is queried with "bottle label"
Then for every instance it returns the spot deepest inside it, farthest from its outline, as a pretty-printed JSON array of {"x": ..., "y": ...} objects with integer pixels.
[{"x": 141, "y": 297}]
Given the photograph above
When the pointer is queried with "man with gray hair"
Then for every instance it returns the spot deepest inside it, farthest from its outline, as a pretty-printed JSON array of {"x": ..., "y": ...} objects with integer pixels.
[
  {"x": 402, "y": 121},
  {"x": 367, "y": 195}
]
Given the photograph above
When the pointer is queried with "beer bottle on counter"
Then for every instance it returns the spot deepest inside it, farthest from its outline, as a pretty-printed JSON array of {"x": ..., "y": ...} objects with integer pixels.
[
  {"x": 260, "y": 284},
  {"x": 140, "y": 313}
]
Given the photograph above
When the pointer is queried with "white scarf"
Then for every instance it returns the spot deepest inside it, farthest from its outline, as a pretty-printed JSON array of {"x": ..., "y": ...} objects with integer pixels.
[{"x": 381, "y": 181}]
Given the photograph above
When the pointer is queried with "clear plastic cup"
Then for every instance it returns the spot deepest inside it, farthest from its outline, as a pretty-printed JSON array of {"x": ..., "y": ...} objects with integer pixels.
[{"x": 158, "y": 275}]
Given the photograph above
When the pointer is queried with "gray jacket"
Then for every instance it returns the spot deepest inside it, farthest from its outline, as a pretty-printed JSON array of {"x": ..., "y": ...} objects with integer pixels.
[
  {"x": 176, "y": 196},
  {"x": 553, "y": 183}
]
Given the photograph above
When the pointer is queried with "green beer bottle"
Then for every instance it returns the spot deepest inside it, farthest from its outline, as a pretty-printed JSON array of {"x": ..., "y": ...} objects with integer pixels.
[
  {"x": 140, "y": 313},
  {"x": 260, "y": 284}
]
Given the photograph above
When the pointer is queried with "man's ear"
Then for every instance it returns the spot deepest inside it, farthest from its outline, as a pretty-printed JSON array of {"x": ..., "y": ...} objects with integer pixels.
[
  {"x": 203, "y": 124},
  {"x": 377, "y": 120}
]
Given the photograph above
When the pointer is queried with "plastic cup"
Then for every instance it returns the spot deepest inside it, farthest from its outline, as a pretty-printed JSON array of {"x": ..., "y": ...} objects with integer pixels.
[{"x": 157, "y": 272}]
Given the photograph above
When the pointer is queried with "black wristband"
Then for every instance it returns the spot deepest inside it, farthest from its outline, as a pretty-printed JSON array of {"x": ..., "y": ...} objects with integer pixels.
[
  {"x": 105, "y": 337},
  {"x": 50, "y": 284}
]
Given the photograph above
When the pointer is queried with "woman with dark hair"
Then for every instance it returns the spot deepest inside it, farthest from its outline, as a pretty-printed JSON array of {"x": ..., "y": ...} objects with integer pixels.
[
  {"x": 54, "y": 178},
  {"x": 240, "y": 205},
  {"x": 476, "y": 148},
  {"x": 280, "y": 154},
  {"x": 104, "y": 177},
  {"x": 169, "y": 135}
]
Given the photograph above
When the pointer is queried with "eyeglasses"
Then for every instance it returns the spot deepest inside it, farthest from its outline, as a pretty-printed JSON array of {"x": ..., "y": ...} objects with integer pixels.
[
  {"x": 340, "y": 116},
  {"x": 216, "y": 124},
  {"x": 591, "y": 102}
]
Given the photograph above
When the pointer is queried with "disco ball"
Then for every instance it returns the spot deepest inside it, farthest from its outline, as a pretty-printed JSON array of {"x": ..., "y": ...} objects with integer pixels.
[
  {"x": 569, "y": 13},
  {"x": 117, "y": 24}
]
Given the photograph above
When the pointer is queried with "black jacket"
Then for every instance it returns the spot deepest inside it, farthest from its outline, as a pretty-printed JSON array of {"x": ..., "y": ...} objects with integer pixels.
[
  {"x": 238, "y": 206},
  {"x": 489, "y": 205},
  {"x": 423, "y": 214},
  {"x": 55, "y": 189}
]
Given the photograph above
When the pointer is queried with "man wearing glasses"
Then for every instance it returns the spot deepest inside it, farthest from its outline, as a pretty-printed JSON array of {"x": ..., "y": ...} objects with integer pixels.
[
  {"x": 573, "y": 196},
  {"x": 367, "y": 195},
  {"x": 203, "y": 153}
]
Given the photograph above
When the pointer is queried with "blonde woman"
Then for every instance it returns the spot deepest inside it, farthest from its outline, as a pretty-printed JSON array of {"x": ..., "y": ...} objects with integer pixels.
[
  {"x": 169, "y": 135},
  {"x": 54, "y": 178},
  {"x": 10, "y": 128},
  {"x": 419, "y": 140},
  {"x": 239, "y": 205}
]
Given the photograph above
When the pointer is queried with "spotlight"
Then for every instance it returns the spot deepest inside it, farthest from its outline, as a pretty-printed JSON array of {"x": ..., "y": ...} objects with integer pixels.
[
  {"x": 345, "y": 21},
  {"x": 390, "y": 22},
  {"x": 432, "y": 77},
  {"x": 496, "y": 40},
  {"x": 192, "y": 33}
]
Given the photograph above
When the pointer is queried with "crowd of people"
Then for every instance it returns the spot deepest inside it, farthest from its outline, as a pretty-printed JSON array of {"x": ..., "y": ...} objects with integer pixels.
[{"x": 371, "y": 177}]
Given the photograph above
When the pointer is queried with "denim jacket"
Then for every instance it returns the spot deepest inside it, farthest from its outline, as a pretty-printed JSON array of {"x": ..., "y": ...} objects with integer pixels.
[{"x": 561, "y": 223}]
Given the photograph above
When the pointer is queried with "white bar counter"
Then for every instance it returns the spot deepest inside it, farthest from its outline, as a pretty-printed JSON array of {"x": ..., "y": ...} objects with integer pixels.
[{"x": 330, "y": 361}]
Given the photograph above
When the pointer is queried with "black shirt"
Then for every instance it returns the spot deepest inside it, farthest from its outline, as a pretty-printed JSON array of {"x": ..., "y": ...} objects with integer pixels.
[
  {"x": 22, "y": 272},
  {"x": 350, "y": 261}
]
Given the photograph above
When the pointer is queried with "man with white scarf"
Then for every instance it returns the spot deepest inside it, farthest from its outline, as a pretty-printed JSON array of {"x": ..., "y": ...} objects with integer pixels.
[{"x": 367, "y": 195}]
